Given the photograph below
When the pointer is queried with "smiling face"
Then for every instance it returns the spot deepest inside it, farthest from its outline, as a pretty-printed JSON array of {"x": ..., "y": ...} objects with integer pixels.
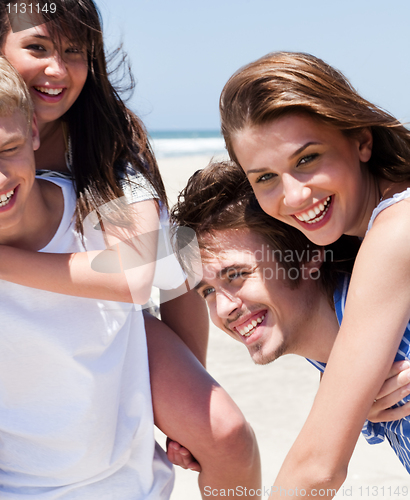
[
  {"x": 54, "y": 75},
  {"x": 249, "y": 297},
  {"x": 18, "y": 140},
  {"x": 310, "y": 175}
]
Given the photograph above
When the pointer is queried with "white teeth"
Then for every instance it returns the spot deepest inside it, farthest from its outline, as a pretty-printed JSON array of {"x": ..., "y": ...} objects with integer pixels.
[
  {"x": 316, "y": 220},
  {"x": 312, "y": 215},
  {"x": 5, "y": 198},
  {"x": 46, "y": 90},
  {"x": 246, "y": 332}
]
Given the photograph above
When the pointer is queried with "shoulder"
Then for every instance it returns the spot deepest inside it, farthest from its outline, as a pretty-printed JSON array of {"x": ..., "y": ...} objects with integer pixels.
[
  {"x": 135, "y": 185},
  {"x": 52, "y": 193},
  {"x": 391, "y": 218},
  {"x": 393, "y": 222},
  {"x": 383, "y": 261},
  {"x": 59, "y": 196},
  {"x": 394, "y": 205},
  {"x": 58, "y": 187}
]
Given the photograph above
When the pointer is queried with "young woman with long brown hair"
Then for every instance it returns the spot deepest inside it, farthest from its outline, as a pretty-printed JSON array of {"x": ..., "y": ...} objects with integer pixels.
[{"x": 325, "y": 160}]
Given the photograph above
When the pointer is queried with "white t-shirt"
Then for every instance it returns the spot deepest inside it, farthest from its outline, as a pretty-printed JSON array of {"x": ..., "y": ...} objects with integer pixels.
[{"x": 76, "y": 416}]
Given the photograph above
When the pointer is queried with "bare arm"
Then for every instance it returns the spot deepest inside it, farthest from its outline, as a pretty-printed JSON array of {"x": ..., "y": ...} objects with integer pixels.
[
  {"x": 191, "y": 408},
  {"x": 394, "y": 389},
  {"x": 72, "y": 274},
  {"x": 187, "y": 315},
  {"x": 377, "y": 312}
]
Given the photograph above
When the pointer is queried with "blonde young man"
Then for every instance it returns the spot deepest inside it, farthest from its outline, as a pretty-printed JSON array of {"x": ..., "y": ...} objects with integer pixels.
[{"x": 76, "y": 416}]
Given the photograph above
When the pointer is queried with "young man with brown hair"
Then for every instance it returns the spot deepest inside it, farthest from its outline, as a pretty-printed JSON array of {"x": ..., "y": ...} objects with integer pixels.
[{"x": 273, "y": 290}]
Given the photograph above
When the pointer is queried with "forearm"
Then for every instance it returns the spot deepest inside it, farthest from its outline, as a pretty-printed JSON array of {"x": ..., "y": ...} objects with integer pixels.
[
  {"x": 375, "y": 317},
  {"x": 187, "y": 316},
  {"x": 319, "y": 458},
  {"x": 325, "y": 487},
  {"x": 309, "y": 468},
  {"x": 122, "y": 272},
  {"x": 69, "y": 274},
  {"x": 192, "y": 409}
]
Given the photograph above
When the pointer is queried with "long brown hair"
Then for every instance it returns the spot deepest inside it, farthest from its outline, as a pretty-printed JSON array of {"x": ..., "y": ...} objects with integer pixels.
[
  {"x": 106, "y": 136},
  {"x": 220, "y": 197},
  {"x": 291, "y": 82}
]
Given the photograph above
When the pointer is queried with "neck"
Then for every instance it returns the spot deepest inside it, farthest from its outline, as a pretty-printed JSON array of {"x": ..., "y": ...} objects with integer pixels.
[
  {"x": 370, "y": 200},
  {"x": 51, "y": 153},
  {"x": 48, "y": 129}
]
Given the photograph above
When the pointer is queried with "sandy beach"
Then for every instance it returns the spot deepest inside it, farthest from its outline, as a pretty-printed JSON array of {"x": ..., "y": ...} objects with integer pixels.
[{"x": 276, "y": 398}]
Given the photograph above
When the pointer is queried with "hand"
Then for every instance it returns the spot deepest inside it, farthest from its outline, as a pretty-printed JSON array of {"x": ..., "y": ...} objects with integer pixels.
[
  {"x": 178, "y": 455},
  {"x": 394, "y": 389}
]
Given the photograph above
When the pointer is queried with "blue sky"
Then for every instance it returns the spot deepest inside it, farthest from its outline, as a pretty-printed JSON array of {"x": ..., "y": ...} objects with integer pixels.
[{"x": 183, "y": 51}]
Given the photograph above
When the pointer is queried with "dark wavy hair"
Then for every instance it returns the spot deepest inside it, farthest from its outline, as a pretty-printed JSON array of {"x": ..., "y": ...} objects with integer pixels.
[
  {"x": 106, "y": 136},
  {"x": 219, "y": 197},
  {"x": 290, "y": 82}
]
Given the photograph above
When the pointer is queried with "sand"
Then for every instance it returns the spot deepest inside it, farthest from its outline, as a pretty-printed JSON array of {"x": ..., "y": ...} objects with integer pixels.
[{"x": 276, "y": 398}]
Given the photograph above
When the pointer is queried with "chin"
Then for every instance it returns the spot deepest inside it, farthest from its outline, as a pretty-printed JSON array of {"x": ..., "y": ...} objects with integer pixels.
[
  {"x": 262, "y": 356},
  {"x": 325, "y": 236}
]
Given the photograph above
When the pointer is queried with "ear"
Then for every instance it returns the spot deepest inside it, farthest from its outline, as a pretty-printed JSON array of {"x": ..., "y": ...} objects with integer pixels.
[
  {"x": 365, "y": 143},
  {"x": 35, "y": 134}
]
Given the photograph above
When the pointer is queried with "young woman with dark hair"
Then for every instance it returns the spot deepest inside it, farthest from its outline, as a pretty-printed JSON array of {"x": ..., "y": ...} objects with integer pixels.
[{"x": 89, "y": 136}]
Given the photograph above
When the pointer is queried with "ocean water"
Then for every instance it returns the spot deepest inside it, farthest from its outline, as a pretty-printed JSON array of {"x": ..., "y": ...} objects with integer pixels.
[{"x": 172, "y": 143}]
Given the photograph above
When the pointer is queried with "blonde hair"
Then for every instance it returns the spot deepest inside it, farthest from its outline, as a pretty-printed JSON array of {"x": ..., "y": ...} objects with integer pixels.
[
  {"x": 13, "y": 92},
  {"x": 291, "y": 82}
]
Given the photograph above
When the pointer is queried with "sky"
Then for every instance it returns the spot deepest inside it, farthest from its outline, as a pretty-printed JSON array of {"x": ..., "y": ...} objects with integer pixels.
[{"x": 182, "y": 52}]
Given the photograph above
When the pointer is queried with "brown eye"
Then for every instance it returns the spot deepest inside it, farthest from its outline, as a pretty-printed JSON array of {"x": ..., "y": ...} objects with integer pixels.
[
  {"x": 307, "y": 159},
  {"x": 35, "y": 47},
  {"x": 207, "y": 291},
  {"x": 238, "y": 274},
  {"x": 265, "y": 177},
  {"x": 75, "y": 50}
]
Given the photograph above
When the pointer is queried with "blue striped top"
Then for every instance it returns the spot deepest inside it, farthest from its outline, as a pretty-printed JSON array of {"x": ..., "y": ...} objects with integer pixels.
[{"x": 398, "y": 431}]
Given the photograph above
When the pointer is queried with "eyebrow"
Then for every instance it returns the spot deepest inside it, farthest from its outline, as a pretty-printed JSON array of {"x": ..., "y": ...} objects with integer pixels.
[
  {"x": 40, "y": 37},
  {"x": 302, "y": 148},
  {"x": 293, "y": 155},
  {"x": 15, "y": 139},
  {"x": 71, "y": 41}
]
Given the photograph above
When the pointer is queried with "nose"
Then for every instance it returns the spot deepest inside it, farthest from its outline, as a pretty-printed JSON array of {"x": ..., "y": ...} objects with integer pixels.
[
  {"x": 295, "y": 192},
  {"x": 56, "y": 67},
  {"x": 226, "y": 304}
]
